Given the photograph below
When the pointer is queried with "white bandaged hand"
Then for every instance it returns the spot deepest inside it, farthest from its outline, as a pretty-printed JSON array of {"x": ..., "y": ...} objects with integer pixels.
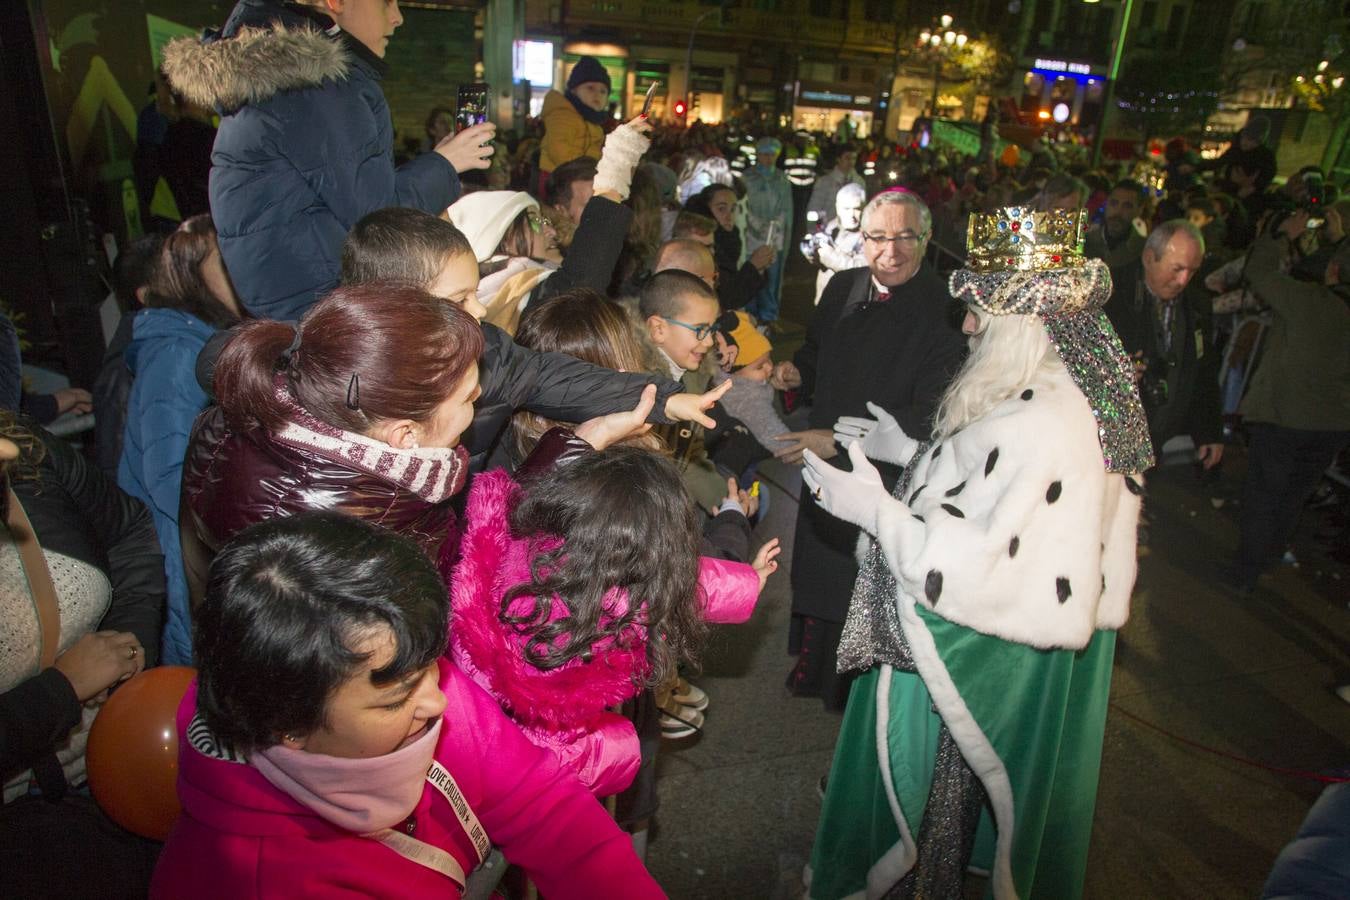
[{"x": 623, "y": 149}]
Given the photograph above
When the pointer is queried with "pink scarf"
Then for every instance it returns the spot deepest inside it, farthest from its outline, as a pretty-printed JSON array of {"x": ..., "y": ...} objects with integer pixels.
[{"x": 359, "y": 795}]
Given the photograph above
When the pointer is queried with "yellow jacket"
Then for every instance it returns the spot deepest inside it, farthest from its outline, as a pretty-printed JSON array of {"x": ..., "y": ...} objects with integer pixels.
[{"x": 566, "y": 134}]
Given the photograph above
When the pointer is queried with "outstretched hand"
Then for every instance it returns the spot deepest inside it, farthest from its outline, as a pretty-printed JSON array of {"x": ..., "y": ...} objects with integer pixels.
[
  {"x": 855, "y": 496},
  {"x": 818, "y": 440},
  {"x": 882, "y": 438},
  {"x": 749, "y": 504},
  {"x": 690, "y": 407},
  {"x": 766, "y": 561},
  {"x": 602, "y": 431}
]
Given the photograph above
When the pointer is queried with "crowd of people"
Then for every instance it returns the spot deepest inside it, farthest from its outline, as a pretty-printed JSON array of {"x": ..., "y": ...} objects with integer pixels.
[{"x": 438, "y": 469}]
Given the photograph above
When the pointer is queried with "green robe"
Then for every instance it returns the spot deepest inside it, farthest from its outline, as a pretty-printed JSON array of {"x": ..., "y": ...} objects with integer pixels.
[{"x": 1044, "y": 711}]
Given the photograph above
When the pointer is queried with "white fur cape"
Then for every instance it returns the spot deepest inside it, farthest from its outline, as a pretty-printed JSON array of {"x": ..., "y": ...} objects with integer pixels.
[{"x": 1014, "y": 528}]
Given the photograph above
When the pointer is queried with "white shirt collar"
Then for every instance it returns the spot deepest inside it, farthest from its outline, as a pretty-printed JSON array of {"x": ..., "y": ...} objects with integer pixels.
[{"x": 676, "y": 371}]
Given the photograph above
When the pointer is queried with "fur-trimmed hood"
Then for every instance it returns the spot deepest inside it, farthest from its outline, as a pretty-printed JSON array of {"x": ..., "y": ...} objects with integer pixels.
[
  {"x": 492, "y": 561},
  {"x": 265, "y": 48},
  {"x": 653, "y": 359}
]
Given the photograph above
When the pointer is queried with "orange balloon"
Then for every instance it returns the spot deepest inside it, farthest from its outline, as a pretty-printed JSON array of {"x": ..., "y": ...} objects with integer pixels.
[
  {"x": 1011, "y": 155},
  {"x": 132, "y": 755}
]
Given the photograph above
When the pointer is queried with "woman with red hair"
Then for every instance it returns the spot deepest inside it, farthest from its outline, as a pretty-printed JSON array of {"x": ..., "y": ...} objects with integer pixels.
[{"x": 358, "y": 408}]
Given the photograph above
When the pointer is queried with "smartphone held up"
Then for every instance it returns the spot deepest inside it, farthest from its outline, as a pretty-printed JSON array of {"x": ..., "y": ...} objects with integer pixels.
[
  {"x": 471, "y": 107},
  {"x": 647, "y": 103}
]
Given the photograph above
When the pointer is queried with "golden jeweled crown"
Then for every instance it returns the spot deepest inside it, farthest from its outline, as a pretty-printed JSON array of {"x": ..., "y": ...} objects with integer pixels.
[{"x": 1018, "y": 238}]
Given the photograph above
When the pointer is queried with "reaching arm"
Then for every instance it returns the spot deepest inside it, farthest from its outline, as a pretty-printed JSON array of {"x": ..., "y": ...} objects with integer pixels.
[{"x": 562, "y": 387}]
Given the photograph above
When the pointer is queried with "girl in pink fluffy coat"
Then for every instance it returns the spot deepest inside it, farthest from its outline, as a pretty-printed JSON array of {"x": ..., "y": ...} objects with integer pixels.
[{"x": 577, "y": 588}]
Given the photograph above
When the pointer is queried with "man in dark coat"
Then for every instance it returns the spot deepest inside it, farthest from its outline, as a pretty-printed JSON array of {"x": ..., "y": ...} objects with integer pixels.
[
  {"x": 1170, "y": 332},
  {"x": 306, "y": 144},
  {"x": 885, "y": 333}
]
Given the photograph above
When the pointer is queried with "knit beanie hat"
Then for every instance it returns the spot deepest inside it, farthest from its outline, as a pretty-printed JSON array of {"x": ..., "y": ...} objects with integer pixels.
[
  {"x": 484, "y": 217},
  {"x": 752, "y": 344},
  {"x": 588, "y": 69}
]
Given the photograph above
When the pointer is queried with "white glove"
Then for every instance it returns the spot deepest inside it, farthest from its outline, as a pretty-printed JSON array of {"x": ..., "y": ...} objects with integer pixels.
[
  {"x": 623, "y": 149},
  {"x": 855, "y": 496},
  {"x": 882, "y": 438}
]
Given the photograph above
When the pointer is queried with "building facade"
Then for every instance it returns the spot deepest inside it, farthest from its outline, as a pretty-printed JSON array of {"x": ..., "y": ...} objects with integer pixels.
[{"x": 812, "y": 64}]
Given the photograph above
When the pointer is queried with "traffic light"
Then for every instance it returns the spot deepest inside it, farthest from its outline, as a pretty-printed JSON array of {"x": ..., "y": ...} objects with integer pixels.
[{"x": 679, "y": 109}]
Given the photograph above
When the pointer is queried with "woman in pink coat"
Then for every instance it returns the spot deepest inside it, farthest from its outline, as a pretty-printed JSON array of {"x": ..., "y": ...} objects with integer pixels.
[
  {"x": 580, "y": 587},
  {"x": 328, "y": 750}
]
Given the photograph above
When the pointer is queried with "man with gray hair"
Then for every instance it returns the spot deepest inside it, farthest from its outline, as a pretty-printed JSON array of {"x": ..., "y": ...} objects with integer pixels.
[
  {"x": 1170, "y": 333},
  {"x": 883, "y": 333}
]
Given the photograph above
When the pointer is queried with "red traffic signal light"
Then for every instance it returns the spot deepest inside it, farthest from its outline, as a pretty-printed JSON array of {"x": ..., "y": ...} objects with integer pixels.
[{"x": 679, "y": 109}]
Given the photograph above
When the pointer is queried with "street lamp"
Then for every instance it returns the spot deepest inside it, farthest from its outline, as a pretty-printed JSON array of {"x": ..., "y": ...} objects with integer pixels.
[
  {"x": 1109, "y": 92},
  {"x": 940, "y": 41},
  {"x": 689, "y": 54}
]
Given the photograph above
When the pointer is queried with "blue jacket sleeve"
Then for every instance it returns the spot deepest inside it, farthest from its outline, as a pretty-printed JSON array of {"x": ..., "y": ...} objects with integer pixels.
[
  {"x": 428, "y": 183},
  {"x": 167, "y": 399},
  {"x": 351, "y": 167}
]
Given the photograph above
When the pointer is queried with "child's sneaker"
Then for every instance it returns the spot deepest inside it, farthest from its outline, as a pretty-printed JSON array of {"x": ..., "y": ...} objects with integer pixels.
[
  {"x": 690, "y": 695},
  {"x": 680, "y": 722}
]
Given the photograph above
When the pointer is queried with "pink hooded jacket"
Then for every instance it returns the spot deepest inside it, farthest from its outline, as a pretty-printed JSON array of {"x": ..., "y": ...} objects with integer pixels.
[
  {"x": 563, "y": 709},
  {"x": 240, "y": 838}
]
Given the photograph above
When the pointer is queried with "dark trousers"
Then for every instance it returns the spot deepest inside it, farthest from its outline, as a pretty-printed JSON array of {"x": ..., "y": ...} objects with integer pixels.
[
  {"x": 70, "y": 850},
  {"x": 1284, "y": 467}
]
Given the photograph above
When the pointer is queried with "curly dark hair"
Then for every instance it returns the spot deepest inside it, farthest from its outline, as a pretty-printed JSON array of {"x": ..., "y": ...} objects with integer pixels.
[{"x": 627, "y": 524}]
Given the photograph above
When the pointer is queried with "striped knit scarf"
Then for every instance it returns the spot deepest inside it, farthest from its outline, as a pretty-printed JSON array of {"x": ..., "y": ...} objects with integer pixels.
[{"x": 432, "y": 473}]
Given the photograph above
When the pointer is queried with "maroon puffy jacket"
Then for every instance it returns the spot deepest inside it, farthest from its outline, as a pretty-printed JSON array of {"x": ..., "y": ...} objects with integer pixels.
[{"x": 234, "y": 479}]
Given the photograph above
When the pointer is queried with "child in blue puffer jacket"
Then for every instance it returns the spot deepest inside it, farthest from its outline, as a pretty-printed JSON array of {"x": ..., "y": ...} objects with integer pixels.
[
  {"x": 189, "y": 298},
  {"x": 306, "y": 144}
]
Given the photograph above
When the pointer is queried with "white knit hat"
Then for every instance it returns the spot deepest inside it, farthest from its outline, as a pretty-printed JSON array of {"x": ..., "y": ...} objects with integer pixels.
[{"x": 484, "y": 216}]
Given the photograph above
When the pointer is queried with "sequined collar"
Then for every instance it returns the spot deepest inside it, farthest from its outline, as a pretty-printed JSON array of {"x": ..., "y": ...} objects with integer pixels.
[{"x": 1099, "y": 366}]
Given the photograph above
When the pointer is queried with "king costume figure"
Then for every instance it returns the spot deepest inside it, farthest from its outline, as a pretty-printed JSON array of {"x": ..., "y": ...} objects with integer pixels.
[{"x": 994, "y": 581}]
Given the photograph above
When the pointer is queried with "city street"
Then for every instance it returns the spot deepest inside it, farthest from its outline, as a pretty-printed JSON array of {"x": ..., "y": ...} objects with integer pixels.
[{"x": 1250, "y": 677}]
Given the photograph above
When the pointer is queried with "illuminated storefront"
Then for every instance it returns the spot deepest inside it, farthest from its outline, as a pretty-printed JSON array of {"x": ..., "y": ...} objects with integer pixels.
[
  {"x": 833, "y": 111},
  {"x": 1063, "y": 92}
]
